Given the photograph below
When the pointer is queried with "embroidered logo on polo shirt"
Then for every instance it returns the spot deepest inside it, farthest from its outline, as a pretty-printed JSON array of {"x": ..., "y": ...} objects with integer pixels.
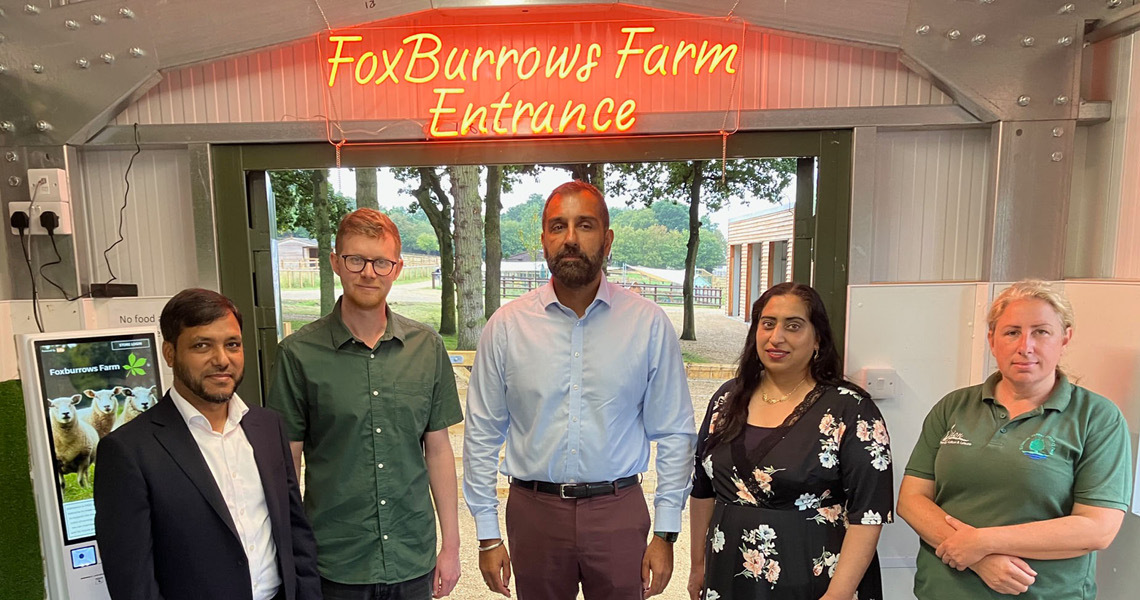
[
  {"x": 1039, "y": 447},
  {"x": 954, "y": 438}
]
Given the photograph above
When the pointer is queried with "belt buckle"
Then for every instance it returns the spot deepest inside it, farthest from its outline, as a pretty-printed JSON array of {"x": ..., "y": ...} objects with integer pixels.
[{"x": 562, "y": 491}]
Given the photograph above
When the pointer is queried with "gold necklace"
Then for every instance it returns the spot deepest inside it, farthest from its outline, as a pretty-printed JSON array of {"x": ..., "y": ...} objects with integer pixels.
[{"x": 765, "y": 398}]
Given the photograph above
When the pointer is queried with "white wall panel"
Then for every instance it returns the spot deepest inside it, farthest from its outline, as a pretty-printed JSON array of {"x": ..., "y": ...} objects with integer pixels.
[
  {"x": 929, "y": 205},
  {"x": 931, "y": 335},
  {"x": 284, "y": 83},
  {"x": 157, "y": 251},
  {"x": 934, "y": 337}
]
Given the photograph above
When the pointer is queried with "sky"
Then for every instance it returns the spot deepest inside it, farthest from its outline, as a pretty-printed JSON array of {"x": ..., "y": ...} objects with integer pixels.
[{"x": 388, "y": 190}]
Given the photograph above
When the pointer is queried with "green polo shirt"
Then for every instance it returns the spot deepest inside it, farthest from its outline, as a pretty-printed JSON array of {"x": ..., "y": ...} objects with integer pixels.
[
  {"x": 990, "y": 470},
  {"x": 362, "y": 413}
]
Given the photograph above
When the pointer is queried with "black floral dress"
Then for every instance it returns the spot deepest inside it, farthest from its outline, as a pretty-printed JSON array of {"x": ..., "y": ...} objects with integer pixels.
[{"x": 782, "y": 510}]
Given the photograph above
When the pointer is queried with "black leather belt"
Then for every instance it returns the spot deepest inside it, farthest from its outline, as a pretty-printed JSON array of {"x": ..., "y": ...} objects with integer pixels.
[{"x": 578, "y": 490}]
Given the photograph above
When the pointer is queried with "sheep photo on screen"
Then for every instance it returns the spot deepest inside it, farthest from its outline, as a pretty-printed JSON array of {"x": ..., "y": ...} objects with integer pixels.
[{"x": 91, "y": 388}]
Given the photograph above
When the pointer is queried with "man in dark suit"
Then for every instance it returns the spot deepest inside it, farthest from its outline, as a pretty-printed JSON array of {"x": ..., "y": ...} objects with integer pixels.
[{"x": 197, "y": 497}]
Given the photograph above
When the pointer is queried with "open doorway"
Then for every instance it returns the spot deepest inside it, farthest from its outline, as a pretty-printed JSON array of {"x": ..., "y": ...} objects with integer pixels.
[{"x": 247, "y": 224}]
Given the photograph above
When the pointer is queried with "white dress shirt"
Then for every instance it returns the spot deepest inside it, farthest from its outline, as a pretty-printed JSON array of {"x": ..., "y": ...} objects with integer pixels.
[
  {"x": 578, "y": 400},
  {"x": 230, "y": 458}
]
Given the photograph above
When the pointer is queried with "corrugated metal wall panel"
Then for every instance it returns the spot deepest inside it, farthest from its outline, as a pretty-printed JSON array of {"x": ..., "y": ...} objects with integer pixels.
[
  {"x": 929, "y": 210},
  {"x": 157, "y": 251},
  {"x": 285, "y": 83}
]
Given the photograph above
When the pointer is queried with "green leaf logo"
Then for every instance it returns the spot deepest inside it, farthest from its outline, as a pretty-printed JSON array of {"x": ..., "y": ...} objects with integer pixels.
[{"x": 134, "y": 365}]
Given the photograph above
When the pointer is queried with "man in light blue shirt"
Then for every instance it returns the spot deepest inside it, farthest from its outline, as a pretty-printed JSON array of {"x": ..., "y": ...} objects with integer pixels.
[{"x": 577, "y": 378}]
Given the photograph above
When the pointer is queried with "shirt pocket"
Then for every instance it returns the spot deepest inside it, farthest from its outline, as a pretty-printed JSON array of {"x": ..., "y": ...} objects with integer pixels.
[{"x": 409, "y": 404}]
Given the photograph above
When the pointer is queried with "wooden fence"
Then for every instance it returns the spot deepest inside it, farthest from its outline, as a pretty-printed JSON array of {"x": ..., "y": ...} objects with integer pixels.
[{"x": 516, "y": 285}]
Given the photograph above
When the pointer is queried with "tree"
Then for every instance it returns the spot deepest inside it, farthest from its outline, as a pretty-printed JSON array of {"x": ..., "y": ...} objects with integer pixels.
[
  {"x": 305, "y": 201},
  {"x": 493, "y": 240},
  {"x": 499, "y": 179},
  {"x": 468, "y": 254},
  {"x": 366, "y": 188},
  {"x": 292, "y": 199},
  {"x": 414, "y": 227},
  {"x": 592, "y": 173},
  {"x": 436, "y": 204},
  {"x": 713, "y": 250},
  {"x": 427, "y": 242},
  {"x": 522, "y": 228},
  {"x": 323, "y": 229},
  {"x": 697, "y": 181}
]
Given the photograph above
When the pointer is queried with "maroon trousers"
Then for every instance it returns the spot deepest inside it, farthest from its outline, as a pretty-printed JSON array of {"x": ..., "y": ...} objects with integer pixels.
[{"x": 556, "y": 543}]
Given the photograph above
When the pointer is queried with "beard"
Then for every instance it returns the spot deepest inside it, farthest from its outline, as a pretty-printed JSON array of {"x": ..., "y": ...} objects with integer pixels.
[
  {"x": 198, "y": 384},
  {"x": 575, "y": 274}
]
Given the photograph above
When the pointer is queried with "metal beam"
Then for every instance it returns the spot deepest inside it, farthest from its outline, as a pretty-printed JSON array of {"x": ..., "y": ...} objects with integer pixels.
[
  {"x": 935, "y": 116},
  {"x": 66, "y": 71},
  {"x": 204, "y": 30},
  {"x": 1123, "y": 23},
  {"x": 1003, "y": 61},
  {"x": 1031, "y": 181}
]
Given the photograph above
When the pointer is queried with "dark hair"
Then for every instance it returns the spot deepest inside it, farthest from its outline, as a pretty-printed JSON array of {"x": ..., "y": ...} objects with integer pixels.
[
  {"x": 194, "y": 307},
  {"x": 825, "y": 367},
  {"x": 577, "y": 187}
]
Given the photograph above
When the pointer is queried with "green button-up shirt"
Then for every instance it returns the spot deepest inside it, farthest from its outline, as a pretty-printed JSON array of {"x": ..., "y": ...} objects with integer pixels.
[
  {"x": 362, "y": 413},
  {"x": 990, "y": 470}
]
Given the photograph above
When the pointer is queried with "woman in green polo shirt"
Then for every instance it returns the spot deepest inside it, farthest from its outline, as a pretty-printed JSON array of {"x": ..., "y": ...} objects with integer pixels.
[{"x": 1015, "y": 483}]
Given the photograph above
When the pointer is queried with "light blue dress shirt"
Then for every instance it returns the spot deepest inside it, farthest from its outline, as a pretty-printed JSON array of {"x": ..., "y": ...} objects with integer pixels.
[{"x": 578, "y": 400}]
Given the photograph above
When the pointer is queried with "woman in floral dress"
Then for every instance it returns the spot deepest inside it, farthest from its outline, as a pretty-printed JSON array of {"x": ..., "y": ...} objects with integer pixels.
[{"x": 793, "y": 476}]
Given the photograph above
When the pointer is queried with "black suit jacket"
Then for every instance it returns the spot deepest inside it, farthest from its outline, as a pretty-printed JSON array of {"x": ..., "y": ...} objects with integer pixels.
[{"x": 163, "y": 528}]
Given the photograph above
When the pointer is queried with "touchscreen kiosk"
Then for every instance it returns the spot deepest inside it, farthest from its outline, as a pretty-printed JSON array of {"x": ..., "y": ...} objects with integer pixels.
[{"x": 78, "y": 387}]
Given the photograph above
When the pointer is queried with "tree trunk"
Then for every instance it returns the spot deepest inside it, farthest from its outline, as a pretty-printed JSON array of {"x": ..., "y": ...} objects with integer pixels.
[
  {"x": 494, "y": 242},
  {"x": 599, "y": 178},
  {"x": 324, "y": 230},
  {"x": 689, "y": 330},
  {"x": 591, "y": 173},
  {"x": 366, "y": 188},
  {"x": 468, "y": 254},
  {"x": 439, "y": 215}
]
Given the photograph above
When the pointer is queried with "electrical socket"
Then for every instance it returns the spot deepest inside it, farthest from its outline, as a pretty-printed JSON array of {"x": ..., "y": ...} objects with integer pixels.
[
  {"x": 62, "y": 209},
  {"x": 48, "y": 185},
  {"x": 15, "y": 207}
]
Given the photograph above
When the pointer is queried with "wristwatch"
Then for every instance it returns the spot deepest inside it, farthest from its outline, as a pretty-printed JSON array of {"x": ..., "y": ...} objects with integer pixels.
[{"x": 668, "y": 536}]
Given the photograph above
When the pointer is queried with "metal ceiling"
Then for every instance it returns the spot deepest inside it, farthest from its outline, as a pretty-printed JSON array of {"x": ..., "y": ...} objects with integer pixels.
[{"x": 66, "y": 70}]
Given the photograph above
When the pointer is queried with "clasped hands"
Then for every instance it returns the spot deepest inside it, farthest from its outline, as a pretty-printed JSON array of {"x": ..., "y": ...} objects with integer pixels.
[{"x": 969, "y": 548}]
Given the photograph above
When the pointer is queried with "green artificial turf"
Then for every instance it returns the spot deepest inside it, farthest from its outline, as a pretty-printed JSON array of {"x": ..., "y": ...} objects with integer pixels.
[{"x": 20, "y": 557}]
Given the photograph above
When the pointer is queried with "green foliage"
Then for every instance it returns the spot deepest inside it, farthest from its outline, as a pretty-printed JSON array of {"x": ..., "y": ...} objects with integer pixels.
[
  {"x": 521, "y": 228},
  {"x": 293, "y": 202},
  {"x": 414, "y": 226},
  {"x": 713, "y": 251},
  {"x": 748, "y": 179},
  {"x": 426, "y": 242}
]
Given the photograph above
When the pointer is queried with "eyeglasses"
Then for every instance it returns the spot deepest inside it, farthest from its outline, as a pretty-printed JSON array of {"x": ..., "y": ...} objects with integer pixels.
[{"x": 355, "y": 263}]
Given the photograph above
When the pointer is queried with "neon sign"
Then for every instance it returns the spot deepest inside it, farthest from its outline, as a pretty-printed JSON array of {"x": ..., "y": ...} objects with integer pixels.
[{"x": 529, "y": 80}]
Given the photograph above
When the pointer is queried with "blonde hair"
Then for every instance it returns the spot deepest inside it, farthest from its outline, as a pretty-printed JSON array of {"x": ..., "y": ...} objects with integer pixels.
[
  {"x": 1031, "y": 289},
  {"x": 367, "y": 222}
]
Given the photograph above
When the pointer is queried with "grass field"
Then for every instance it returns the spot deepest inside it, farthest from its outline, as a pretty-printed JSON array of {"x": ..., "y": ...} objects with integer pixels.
[
  {"x": 299, "y": 313},
  {"x": 72, "y": 491},
  {"x": 310, "y": 310}
]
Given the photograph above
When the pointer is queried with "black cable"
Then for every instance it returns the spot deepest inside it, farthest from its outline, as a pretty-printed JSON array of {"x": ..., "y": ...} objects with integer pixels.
[
  {"x": 123, "y": 208},
  {"x": 32, "y": 276},
  {"x": 58, "y": 260}
]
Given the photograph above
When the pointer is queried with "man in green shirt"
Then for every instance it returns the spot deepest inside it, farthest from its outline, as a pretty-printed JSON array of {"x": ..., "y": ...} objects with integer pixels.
[{"x": 367, "y": 396}]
